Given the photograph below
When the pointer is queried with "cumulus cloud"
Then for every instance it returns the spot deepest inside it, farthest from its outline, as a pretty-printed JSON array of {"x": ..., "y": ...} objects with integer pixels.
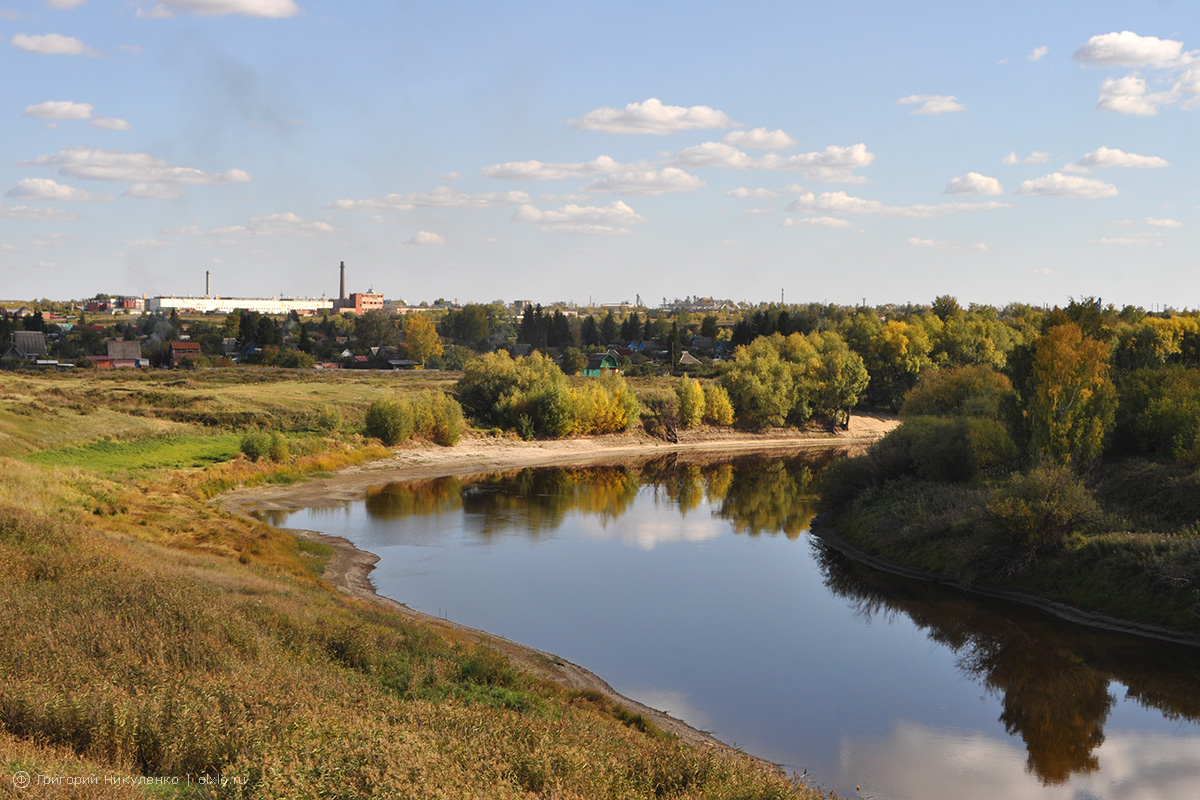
[
  {"x": 426, "y": 239},
  {"x": 617, "y": 213},
  {"x": 842, "y": 203},
  {"x": 933, "y": 104},
  {"x": 652, "y": 117},
  {"x": 542, "y": 171},
  {"x": 1036, "y": 157},
  {"x": 1162, "y": 223},
  {"x": 65, "y": 4},
  {"x": 1131, "y": 96},
  {"x": 916, "y": 241},
  {"x": 51, "y": 44},
  {"x": 760, "y": 139},
  {"x": 110, "y": 124},
  {"x": 1037, "y": 53},
  {"x": 441, "y": 197},
  {"x": 1128, "y": 49},
  {"x": 647, "y": 182},
  {"x": 35, "y": 213},
  {"x": 1056, "y": 184},
  {"x": 974, "y": 183},
  {"x": 834, "y": 164},
  {"x": 1128, "y": 241},
  {"x": 123, "y": 167},
  {"x": 286, "y": 224},
  {"x": 59, "y": 109},
  {"x": 1112, "y": 157},
  {"x": 46, "y": 189},
  {"x": 816, "y": 222},
  {"x": 154, "y": 191},
  {"x": 745, "y": 193},
  {"x": 214, "y": 8}
]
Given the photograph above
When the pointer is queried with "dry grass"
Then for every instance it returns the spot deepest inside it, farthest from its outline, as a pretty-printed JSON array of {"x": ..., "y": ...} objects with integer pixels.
[{"x": 148, "y": 633}]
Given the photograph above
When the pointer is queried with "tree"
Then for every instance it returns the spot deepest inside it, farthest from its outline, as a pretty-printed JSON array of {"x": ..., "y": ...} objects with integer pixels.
[
  {"x": 760, "y": 385},
  {"x": 589, "y": 332},
  {"x": 708, "y": 326},
  {"x": 1071, "y": 404},
  {"x": 422, "y": 338},
  {"x": 376, "y": 329},
  {"x": 691, "y": 402},
  {"x": 608, "y": 329}
]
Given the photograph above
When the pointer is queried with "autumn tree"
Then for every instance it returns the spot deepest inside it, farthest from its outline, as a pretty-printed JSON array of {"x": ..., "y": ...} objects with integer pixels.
[
  {"x": 422, "y": 338},
  {"x": 1071, "y": 401}
]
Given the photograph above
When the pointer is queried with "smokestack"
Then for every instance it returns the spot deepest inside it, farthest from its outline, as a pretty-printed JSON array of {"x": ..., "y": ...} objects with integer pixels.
[
  {"x": 342, "y": 290},
  {"x": 206, "y": 283}
]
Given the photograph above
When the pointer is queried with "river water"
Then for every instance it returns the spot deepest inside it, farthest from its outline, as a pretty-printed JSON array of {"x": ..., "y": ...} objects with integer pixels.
[{"x": 694, "y": 587}]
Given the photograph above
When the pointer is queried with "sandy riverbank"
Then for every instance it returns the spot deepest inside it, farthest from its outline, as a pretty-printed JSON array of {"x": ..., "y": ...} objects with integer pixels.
[{"x": 349, "y": 569}]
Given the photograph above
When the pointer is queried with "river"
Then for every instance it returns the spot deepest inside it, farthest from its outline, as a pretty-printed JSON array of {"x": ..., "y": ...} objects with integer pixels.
[{"x": 693, "y": 585}]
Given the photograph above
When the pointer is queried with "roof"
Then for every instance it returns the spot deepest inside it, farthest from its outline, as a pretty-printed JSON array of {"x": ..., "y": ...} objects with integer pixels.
[
  {"x": 31, "y": 343},
  {"x": 601, "y": 361},
  {"x": 688, "y": 359},
  {"x": 122, "y": 349},
  {"x": 185, "y": 347}
]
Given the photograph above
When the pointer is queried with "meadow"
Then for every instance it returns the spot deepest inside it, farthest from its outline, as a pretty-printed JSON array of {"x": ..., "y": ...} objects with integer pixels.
[{"x": 147, "y": 633}]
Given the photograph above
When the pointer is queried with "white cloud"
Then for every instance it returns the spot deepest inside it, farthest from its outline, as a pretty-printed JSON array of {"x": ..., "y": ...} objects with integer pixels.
[
  {"x": 35, "y": 213},
  {"x": 1130, "y": 95},
  {"x": 585, "y": 229},
  {"x": 652, "y": 117},
  {"x": 59, "y": 109},
  {"x": 426, "y": 239},
  {"x": 452, "y": 176},
  {"x": 1037, "y": 53},
  {"x": 933, "y": 104},
  {"x": 286, "y": 224},
  {"x": 816, "y": 222},
  {"x": 974, "y": 183},
  {"x": 842, "y": 203},
  {"x": 1057, "y": 184},
  {"x": 1036, "y": 157},
  {"x": 123, "y": 167},
  {"x": 147, "y": 243},
  {"x": 541, "y": 171},
  {"x": 760, "y": 139},
  {"x": 647, "y": 182},
  {"x": 441, "y": 197},
  {"x": 913, "y": 241},
  {"x": 154, "y": 191},
  {"x": 249, "y": 8},
  {"x": 1128, "y": 49},
  {"x": 1111, "y": 157},
  {"x": 614, "y": 213},
  {"x": 744, "y": 193},
  {"x": 46, "y": 189},
  {"x": 110, "y": 124},
  {"x": 1128, "y": 241},
  {"x": 916, "y": 241},
  {"x": 52, "y": 44},
  {"x": 1162, "y": 223},
  {"x": 834, "y": 164},
  {"x": 65, "y": 4}
]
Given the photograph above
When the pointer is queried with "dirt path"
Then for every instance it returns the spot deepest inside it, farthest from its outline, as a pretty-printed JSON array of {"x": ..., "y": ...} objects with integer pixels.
[{"x": 349, "y": 569}]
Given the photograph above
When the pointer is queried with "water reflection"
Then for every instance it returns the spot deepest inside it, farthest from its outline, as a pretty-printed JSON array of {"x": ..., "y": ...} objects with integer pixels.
[{"x": 1052, "y": 678}]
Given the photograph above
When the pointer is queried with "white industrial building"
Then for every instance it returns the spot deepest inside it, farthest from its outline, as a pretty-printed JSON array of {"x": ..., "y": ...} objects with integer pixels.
[{"x": 224, "y": 305}]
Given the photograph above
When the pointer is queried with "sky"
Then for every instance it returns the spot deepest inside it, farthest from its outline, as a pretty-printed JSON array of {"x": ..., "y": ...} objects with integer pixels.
[{"x": 885, "y": 152}]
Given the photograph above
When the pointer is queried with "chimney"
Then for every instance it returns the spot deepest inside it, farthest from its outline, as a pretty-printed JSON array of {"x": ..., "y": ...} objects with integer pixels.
[
  {"x": 206, "y": 283},
  {"x": 342, "y": 290}
]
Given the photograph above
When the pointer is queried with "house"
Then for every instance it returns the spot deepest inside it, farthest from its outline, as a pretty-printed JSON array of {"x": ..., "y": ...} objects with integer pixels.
[
  {"x": 182, "y": 350},
  {"x": 688, "y": 360},
  {"x": 601, "y": 364},
  {"x": 125, "y": 354},
  {"x": 26, "y": 346}
]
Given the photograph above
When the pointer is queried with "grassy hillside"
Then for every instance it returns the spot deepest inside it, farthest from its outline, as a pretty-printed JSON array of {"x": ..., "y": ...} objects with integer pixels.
[{"x": 149, "y": 634}]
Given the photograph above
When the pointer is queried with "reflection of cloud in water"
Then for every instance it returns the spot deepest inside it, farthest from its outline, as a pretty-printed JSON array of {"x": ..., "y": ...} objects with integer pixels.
[
  {"x": 921, "y": 763},
  {"x": 674, "y": 703},
  {"x": 649, "y": 531}
]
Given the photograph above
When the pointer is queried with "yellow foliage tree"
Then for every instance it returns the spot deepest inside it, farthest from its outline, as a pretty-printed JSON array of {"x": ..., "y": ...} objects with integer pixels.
[{"x": 422, "y": 338}]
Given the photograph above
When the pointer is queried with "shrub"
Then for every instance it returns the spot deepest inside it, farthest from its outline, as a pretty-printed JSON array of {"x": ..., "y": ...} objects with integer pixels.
[
  {"x": 277, "y": 449},
  {"x": 327, "y": 418},
  {"x": 389, "y": 420},
  {"x": 691, "y": 402},
  {"x": 661, "y": 415},
  {"x": 975, "y": 391},
  {"x": 604, "y": 405},
  {"x": 954, "y": 449},
  {"x": 718, "y": 410},
  {"x": 256, "y": 445},
  {"x": 438, "y": 417},
  {"x": 1037, "y": 511}
]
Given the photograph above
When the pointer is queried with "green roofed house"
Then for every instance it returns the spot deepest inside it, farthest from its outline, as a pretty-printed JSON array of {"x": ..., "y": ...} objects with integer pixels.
[{"x": 601, "y": 364}]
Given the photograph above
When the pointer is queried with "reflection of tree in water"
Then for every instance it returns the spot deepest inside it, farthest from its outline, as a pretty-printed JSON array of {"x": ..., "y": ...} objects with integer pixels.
[
  {"x": 771, "y": 496},
  {"x": 1052, "y": 677},
  {"x": 414, "y": 498}
]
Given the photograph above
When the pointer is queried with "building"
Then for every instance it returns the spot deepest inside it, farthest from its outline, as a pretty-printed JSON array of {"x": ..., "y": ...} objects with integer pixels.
[
  {"x": 278, "y": 306},
  {"x": 26, "y": 346},
  {"x": 358, "y": 302},
  {"x": 182, "y": 350}
]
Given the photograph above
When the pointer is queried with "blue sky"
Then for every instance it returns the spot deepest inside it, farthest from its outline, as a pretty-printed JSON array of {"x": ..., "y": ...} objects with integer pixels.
[{"x": 596, "y": 151}]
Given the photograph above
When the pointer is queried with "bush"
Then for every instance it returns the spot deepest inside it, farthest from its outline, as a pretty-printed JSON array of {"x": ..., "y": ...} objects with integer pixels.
[
  {"x": 438, "y": 417},
  {"x": 661, "y": 415},
  {"x": 1037, "y": 511},
  {"x": 691, "y": 402},
  {"x": 953, "y": 449},
  {"x": 604, "y": 405},
  {"x": 278, "y": 448},
  {"x": 975, "y": 391},
  {"x": 389, "y": 420},
  {"x": 256, "y": 445},
  {"x": 327, "y": 418},
  {"x": 718, "y": 410}
]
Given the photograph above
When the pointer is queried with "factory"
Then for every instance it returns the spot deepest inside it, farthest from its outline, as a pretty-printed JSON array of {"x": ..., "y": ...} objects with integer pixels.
[{"x": 358, "y": 302}]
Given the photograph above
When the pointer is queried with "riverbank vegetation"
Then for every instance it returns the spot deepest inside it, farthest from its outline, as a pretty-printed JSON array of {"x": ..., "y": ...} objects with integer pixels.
[
  {"x": 146, "y": 633},
  {"x": 1070, "y": 474}
]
